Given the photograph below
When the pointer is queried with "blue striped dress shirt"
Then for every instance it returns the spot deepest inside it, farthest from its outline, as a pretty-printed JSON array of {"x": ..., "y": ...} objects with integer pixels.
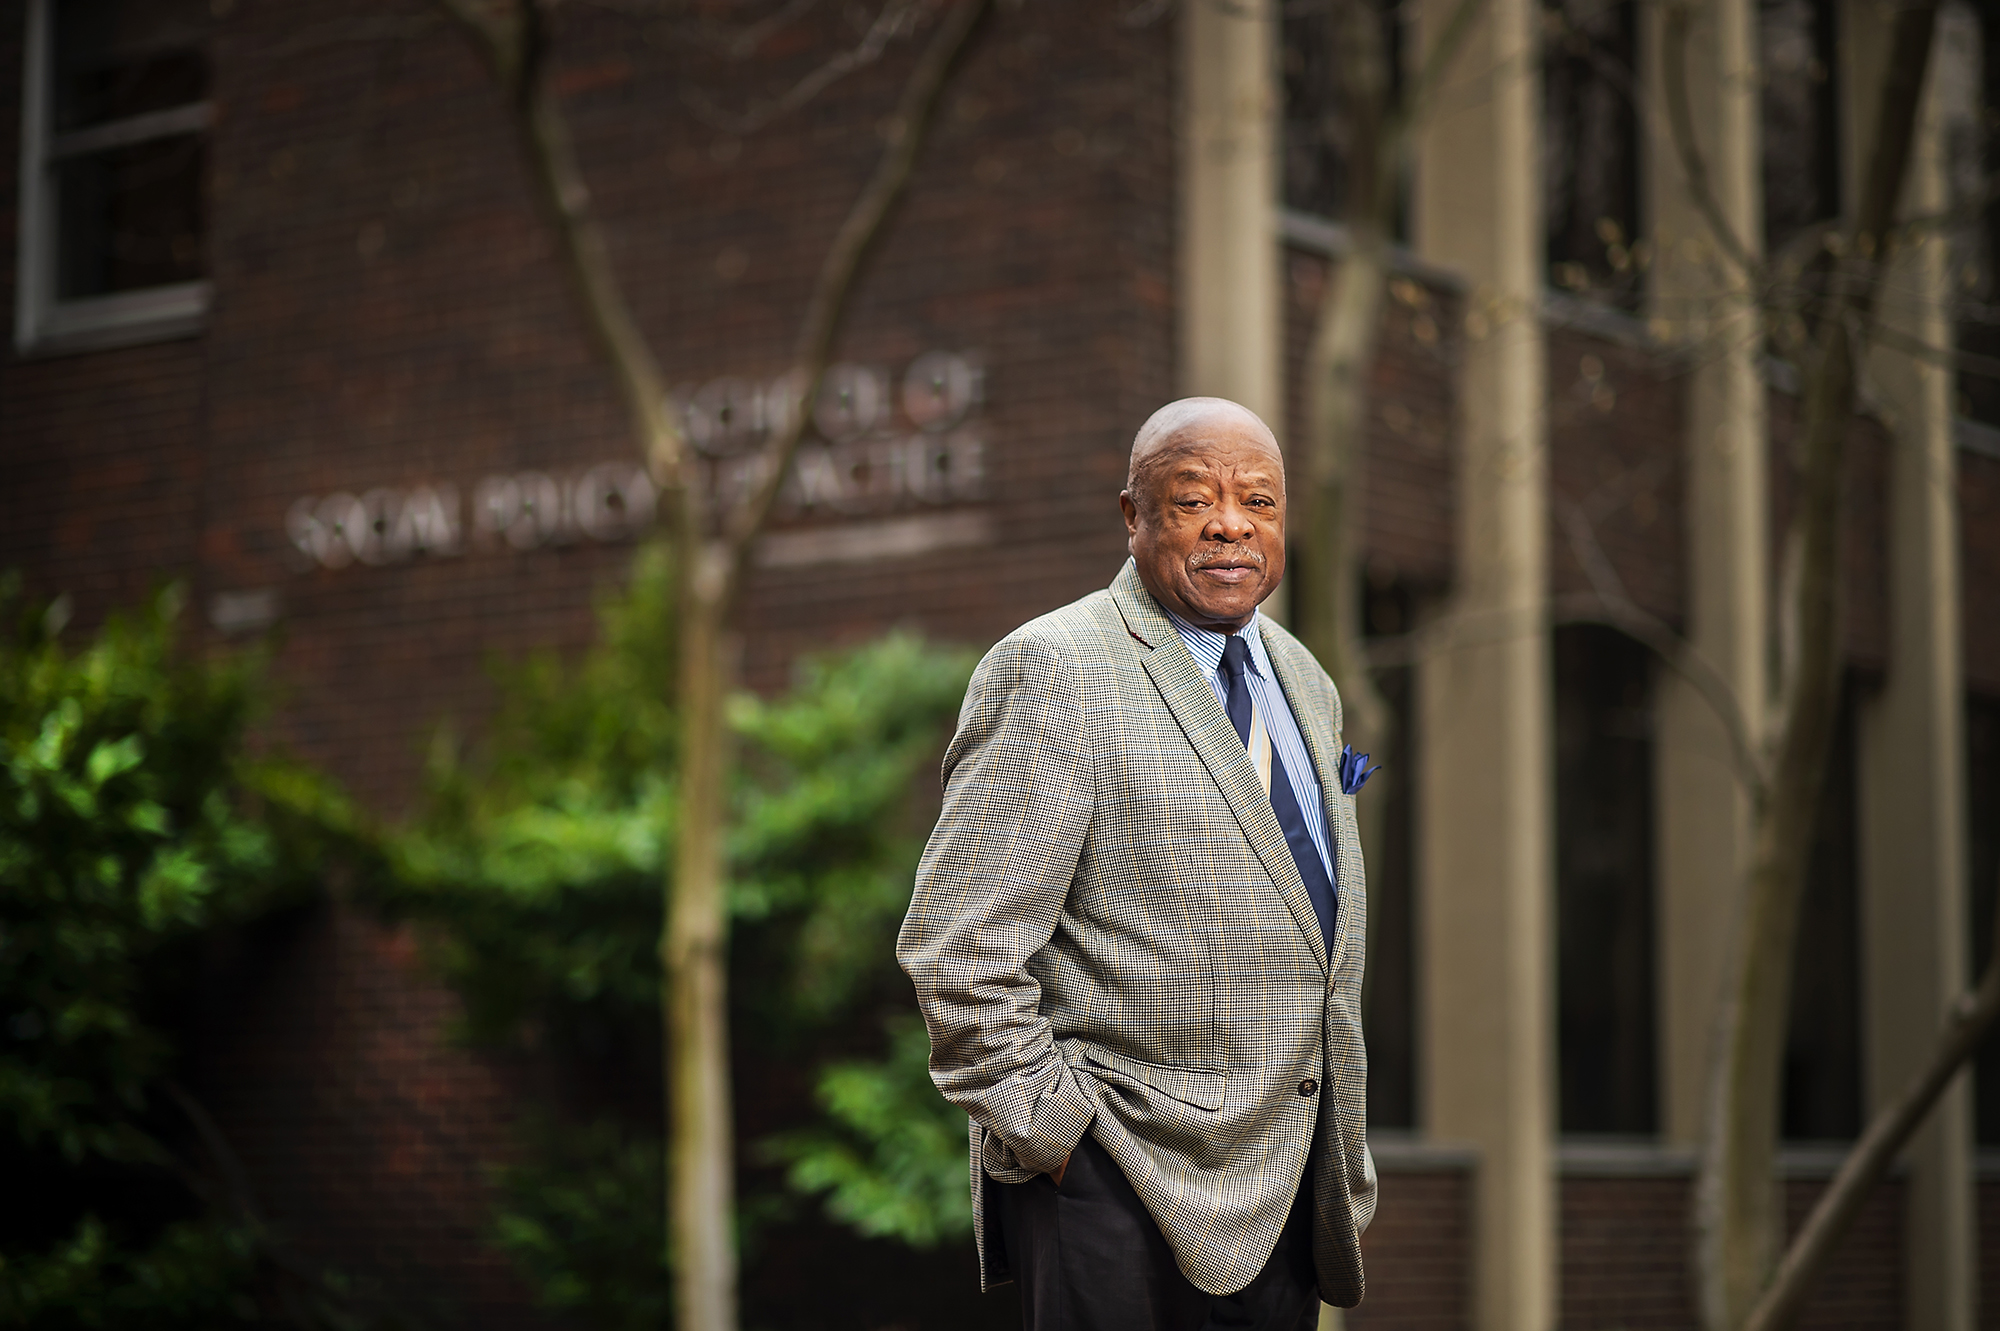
[{"x": 1279, "y": 722}]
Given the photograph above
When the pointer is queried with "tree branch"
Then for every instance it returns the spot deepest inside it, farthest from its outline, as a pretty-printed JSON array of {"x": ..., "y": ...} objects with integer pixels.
[
  {"x": 490, "y": 32},
  {"x": 746, "y": 41},
  {"x": 1589, "y": 551},
  {"x": 515, "y": 46},
  {"x": 1867, "y": 1164},
  {"x": 1678, "y": 655},
  {"x": 897, "y": 18},
  {"x": 1736, "y": 1222},
  {"x": 906, "y": 134},
  {"x": 1627, "y": 617},
  {"x": 1418, "y": 95},
  {"x": 1949, "y": 358},
  {"x": 1680, "y": 117}
]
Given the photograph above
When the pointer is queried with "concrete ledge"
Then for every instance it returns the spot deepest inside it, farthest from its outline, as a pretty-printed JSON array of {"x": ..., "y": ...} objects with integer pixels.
[
  {"x": 1974, "y": 437},
  {"x": 1328, "y": 238},
  {"x": 1622, "y": 1157},
  {"x": 1563, "y": 309},
  {"x": 866, "y": 542},
  {"x": 1632, "y": 1157},
  {"x": 1407, "y": 1153}
]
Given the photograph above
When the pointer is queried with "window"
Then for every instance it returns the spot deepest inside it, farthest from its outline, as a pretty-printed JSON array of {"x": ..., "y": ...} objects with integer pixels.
[
  {"x": 1801, "y": 117},
  {"x": 1982, "y": 789},
  {"x": 1604, "y": 884},
  {"x": 1973, "y": 153},
  {"x": 1821, "y": 1094},
  {"x": 1388, "y": 995},
  {"x": 113, "y": 140},
  {"x": 1590, "y": 148},
  {"x": 1320, "y": 127}
]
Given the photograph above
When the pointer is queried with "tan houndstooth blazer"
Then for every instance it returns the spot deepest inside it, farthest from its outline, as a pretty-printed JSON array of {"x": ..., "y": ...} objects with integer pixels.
[{"x": 1108, "y": 929}]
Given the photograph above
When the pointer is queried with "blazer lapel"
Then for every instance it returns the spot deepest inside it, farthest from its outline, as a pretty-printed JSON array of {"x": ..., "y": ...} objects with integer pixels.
[
  {"x": 1193, "y": 703},
  {"x": 1323, "y": 747}
]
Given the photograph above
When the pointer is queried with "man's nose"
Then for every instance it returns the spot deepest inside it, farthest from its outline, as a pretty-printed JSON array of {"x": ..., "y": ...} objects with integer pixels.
[{"x": 1229, "y": 522}]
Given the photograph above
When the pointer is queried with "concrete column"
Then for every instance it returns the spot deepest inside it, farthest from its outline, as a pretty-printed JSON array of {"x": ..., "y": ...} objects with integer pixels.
[
  {"x": 1231, "y": 311},
  {"x": 1485, "y": 869},
  {"x": 1911, "y": 732},
  {"x": 1699, "y": 298}
]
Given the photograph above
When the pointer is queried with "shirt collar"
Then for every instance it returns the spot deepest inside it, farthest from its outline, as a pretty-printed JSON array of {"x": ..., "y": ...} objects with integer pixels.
[{"x": 1207, "y": 645}]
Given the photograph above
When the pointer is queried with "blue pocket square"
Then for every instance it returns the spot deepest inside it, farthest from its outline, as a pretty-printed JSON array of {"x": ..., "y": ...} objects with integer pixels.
[{"x": 1354, "y": 769}]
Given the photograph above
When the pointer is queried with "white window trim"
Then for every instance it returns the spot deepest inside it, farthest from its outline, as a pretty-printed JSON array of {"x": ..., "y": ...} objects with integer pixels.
[{"x": 44, "y": 325}]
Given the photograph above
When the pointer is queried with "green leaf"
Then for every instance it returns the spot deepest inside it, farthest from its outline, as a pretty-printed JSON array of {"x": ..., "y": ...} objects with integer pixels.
[
  {"x": 114, "y": 758},
  {"x": 891, "y": 1158},
  {"x": 128, "y": 830},
  {"x": 538, "y": 868}
]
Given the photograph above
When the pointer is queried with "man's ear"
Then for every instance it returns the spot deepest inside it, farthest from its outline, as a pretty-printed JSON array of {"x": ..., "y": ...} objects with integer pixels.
[{"x": 1131, "y": 512}]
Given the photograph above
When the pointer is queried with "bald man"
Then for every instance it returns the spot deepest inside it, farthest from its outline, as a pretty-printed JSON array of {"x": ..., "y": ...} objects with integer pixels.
[{"x": 1137, "y": 932}]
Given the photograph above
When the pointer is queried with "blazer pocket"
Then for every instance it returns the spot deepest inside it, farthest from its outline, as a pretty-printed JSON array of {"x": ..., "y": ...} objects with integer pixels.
[{"x": 1191, "y": 1086}]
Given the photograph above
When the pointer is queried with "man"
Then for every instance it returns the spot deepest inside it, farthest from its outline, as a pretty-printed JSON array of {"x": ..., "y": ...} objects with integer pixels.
[{"x": 1137, "y": 933}]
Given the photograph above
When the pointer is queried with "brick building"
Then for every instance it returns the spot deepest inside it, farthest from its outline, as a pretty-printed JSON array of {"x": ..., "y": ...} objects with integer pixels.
[{"x": 287, "y": 327}]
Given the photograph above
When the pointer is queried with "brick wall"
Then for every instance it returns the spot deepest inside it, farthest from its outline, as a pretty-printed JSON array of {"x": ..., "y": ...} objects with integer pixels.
[
  {"x": 389, "y": 312},
  {"x": 1615, "y": 420},
  {"x": 1865, "y": 517},
  {"x": 1417, "y": 1251},
  {"x": 101, "y": 459},
  {"x": 328, "y": 1056},
  {"x": 1624, "y": 1255},
  {"x": 1408, "y": 478}
]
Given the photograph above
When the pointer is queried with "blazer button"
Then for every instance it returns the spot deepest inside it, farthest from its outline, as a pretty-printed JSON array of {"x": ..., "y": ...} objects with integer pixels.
[{"x": 1308, "y": 1086}]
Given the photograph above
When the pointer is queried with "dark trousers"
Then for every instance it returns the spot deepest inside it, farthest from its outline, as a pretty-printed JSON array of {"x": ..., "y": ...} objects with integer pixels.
[{"x": 1089, "y": 1257}]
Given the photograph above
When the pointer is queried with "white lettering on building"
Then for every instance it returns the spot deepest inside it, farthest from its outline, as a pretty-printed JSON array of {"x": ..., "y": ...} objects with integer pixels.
[{"x": 860, "y": 457}]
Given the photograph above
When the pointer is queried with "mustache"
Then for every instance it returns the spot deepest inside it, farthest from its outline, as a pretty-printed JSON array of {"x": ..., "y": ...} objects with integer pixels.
[{"x": 1226, "y": 554}]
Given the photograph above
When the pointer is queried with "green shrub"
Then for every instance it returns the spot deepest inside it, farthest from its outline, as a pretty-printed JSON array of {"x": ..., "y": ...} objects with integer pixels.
[
  {"x": 540, "y": 863},
  {"x": 133, "y": 823}
]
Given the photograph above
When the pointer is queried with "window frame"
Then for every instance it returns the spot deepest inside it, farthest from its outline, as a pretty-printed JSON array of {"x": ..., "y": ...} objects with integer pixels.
[{"x": 43, "y": 323}]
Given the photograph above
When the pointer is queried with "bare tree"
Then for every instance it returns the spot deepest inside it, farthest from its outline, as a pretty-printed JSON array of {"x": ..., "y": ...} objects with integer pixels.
[
  {"x": 1738, "y": 1220},
  {"x": 1377, "y": 125},
  {"x": 1823, "y": 308},
  {"x": 1828, "y": 325},
  {"x": 713, "y": 541}
]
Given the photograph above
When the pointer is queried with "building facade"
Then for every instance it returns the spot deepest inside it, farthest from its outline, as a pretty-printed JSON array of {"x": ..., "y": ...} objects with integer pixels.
[{"x": 288, "y": 328}]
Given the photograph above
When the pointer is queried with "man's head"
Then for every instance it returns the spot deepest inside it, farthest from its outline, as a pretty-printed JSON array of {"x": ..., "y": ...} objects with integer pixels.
[{"x": 1204, "y": 504}]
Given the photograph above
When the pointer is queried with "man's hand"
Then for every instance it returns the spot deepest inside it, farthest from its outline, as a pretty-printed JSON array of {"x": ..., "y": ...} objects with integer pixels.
[{"x": 1057, "y": 1173}]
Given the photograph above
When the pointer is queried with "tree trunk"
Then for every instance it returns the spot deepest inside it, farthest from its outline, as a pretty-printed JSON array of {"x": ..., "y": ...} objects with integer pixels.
[
  {"x": 1327, "y": 601},
  {"x": 714, "y": 551},
  {"x": 1868, "y": 1163},
  {"x": 701, "y": 1155},
  {"x": 1737, "y": 1216},
  {"x": 1327, "y": 607},
  {"x": 714, "y": 559}
]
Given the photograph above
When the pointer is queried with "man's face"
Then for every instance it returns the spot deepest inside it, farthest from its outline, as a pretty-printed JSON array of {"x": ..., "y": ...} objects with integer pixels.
[{"x": 1207, "y": 528}]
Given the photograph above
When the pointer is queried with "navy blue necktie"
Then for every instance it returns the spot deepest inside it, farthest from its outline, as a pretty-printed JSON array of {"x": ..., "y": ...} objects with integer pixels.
[{"x": 1235, "y": 657}]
